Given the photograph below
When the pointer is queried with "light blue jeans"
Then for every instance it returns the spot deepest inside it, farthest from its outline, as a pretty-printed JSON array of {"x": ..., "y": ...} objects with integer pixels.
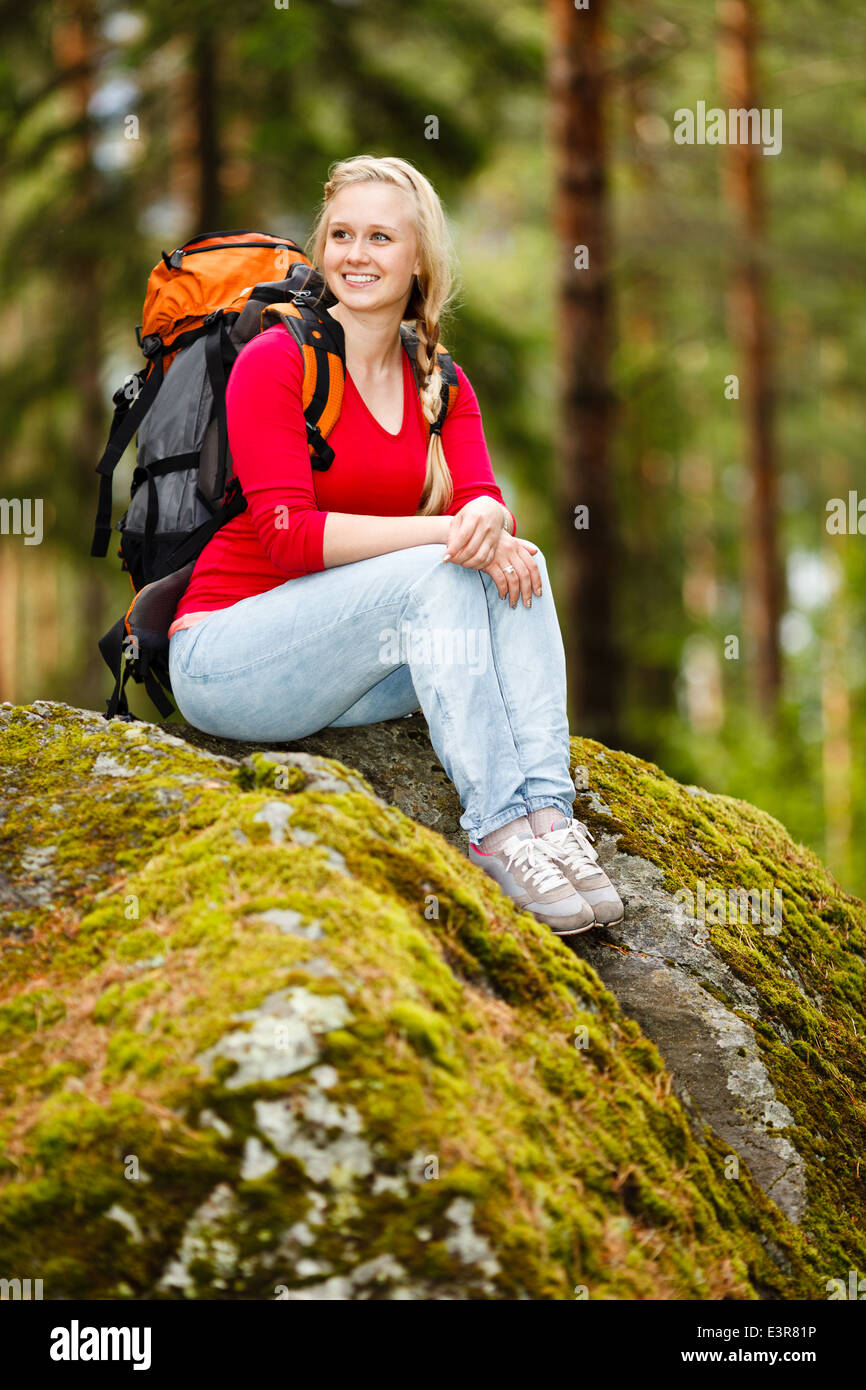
[{"x": 376, "y": 639}]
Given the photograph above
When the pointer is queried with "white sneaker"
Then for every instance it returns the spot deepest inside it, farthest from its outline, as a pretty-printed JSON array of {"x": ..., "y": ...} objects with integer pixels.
[
  {"x": 525, "y": 869},
  {"x": 569, "y": 843}
]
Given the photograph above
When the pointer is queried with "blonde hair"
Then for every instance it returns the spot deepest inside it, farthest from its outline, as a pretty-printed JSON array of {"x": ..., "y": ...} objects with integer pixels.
[{"x": 432, "y": 292}]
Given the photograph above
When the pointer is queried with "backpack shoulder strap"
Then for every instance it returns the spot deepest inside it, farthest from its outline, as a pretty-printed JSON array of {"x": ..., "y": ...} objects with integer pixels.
[
  {"x": 323, "y": 349},
  {"x": 322, "y": 343},
  {"x": 450, "y": 384}
]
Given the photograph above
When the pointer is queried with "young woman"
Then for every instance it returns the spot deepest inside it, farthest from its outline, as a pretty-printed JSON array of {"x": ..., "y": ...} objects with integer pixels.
[{"x": 394, "y": 579}]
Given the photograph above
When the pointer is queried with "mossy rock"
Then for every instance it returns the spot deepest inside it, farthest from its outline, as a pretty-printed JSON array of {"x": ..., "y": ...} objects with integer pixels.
[{"x": 265, "y": 1034}]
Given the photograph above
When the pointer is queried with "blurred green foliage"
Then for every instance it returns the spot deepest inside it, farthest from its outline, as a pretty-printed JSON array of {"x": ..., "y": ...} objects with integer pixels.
[{"x": 86, "y": 211}]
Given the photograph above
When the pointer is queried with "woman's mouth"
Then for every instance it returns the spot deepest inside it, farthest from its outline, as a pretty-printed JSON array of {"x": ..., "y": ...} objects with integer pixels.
[{"x": 359, "y": 280}]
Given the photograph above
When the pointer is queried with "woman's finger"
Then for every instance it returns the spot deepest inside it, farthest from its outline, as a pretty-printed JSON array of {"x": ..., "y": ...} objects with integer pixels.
[
  {"x": 516, "y": 579},
  {"x": 478, "y": 551},
  {"x": 528, "y": 551},
  {"x": 463, "y": 538}
]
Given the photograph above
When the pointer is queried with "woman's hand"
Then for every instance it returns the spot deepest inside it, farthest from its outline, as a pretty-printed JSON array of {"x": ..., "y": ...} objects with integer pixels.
[
  {"x": 474, "y": 533},
  {"x": 489, "y": 547},
  {"x": 524, "y": 579}
]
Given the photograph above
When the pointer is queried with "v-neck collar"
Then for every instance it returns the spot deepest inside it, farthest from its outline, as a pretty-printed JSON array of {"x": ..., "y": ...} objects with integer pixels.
[{"x": 376, "y": 422}]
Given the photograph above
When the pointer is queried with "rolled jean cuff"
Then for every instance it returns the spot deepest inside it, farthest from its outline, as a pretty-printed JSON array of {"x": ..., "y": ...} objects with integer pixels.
[
  {"x": 492, "y": 823},
  {"x": 538, "y": 803}
]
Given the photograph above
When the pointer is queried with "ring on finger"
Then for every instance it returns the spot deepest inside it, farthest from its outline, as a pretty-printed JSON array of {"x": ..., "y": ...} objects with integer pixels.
[{"x": 509, "y": 569}]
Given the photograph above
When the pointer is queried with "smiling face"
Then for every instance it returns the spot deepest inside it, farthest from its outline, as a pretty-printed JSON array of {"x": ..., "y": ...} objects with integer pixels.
[{"x": 371, "y": 247}]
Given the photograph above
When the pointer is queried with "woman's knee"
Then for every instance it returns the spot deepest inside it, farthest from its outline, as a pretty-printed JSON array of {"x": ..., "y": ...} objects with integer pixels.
[{"x": 540, "y": 559}]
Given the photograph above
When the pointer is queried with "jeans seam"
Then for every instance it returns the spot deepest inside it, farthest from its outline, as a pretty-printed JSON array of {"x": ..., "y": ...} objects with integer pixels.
[
  {"x": 447, "y": 722},
  {"x": 505, "y": 701},
  {"x": 503, "y": 817},
  {"x": 284, "y": 651}
]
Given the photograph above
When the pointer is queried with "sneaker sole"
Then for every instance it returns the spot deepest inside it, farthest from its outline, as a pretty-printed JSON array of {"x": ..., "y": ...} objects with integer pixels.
[
  {"x": 614, "y": 922},
  {"x": 569, "y": 931}
]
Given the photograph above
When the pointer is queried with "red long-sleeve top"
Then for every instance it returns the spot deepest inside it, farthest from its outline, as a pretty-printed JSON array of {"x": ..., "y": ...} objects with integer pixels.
[{"x": 280, "y": 535}]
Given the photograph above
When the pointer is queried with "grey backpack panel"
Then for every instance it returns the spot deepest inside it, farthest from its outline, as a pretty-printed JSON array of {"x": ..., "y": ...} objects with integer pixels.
[
  {"x": 185, "y": 403},
  {"x": 179, "y": 507}
]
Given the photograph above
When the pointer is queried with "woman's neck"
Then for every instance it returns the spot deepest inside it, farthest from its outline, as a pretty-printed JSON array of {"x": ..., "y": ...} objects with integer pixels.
[{"x": 373, "y": 348}]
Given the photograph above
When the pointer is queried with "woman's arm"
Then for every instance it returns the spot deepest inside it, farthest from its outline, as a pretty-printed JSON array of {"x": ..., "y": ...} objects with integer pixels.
[
  {"x": 467, "y": 453},
  {"x": 348, "y": 537},
  {"x": 268, "y": 440}
]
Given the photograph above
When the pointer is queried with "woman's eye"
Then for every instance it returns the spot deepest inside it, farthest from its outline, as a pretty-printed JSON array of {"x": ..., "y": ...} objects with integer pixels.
[{"x": 340, "y": 232}]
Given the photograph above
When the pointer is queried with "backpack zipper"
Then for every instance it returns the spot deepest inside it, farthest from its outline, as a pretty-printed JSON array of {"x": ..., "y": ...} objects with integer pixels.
[{"x": 175, "y": 260}]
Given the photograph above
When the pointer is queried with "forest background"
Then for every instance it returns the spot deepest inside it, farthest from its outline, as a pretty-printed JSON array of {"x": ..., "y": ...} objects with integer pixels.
[{"x": 666, "y": 338}]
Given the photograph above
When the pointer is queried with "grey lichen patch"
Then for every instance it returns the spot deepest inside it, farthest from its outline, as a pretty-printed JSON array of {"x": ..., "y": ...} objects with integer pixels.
[
  {"x": 276, "y": 816},
  {"x": 107, "y": 766},
  {"x": 367, "y": 1280},
  {"x": 278, "y": 768},
  {"x": 323, "y": 1136},
  {"x": 282, "y": 1038},
  {"x": 258, "y": 1160},
  {"x": 206, "y": 1242},
  {"x": 126, "y": 1219},
  {"x": 37, "y": 886},
  {"x": 466, "y": 1242},
  {"x": 291, "y": 922}
]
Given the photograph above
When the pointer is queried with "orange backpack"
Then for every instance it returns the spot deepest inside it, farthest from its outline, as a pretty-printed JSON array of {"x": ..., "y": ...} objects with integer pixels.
[{"x": 203, "y": 303}]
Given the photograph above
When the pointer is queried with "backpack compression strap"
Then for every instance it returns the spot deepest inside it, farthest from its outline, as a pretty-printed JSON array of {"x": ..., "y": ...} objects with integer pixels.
[
  {"x": 128, "y": 414},
  {"x": 122, "y": 664}
]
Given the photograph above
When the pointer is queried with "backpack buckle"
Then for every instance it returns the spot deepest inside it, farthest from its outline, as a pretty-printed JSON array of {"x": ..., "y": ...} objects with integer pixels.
[
  {"x": 151, "y": 344},
  {"x": 324, "y": 455}
]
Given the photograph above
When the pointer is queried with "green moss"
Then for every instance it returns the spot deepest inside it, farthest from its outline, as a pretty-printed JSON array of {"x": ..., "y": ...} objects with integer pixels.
[
  {"x": 428, "y": 1032},
  {"x": 730, "y": 846},
  {"x": 28, "y": 1013},
  {"x": 458, "y": 1057}
]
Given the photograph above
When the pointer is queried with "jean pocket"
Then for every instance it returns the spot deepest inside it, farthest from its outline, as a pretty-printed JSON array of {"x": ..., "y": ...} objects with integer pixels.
[{"x": 181, "y": 648}]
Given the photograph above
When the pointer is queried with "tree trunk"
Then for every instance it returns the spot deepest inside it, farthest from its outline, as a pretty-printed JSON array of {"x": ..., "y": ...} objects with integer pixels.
[
  {"x": 836, "y": 748},
  {"x": 586, "y": 559},
  {"x": 750, "y": 322},
  {"x": 9, "y": 625},
  {"x": 75, "y": 39},
  {"x": 648, "y": 474},
  {"x": 209, "y": 209}
]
